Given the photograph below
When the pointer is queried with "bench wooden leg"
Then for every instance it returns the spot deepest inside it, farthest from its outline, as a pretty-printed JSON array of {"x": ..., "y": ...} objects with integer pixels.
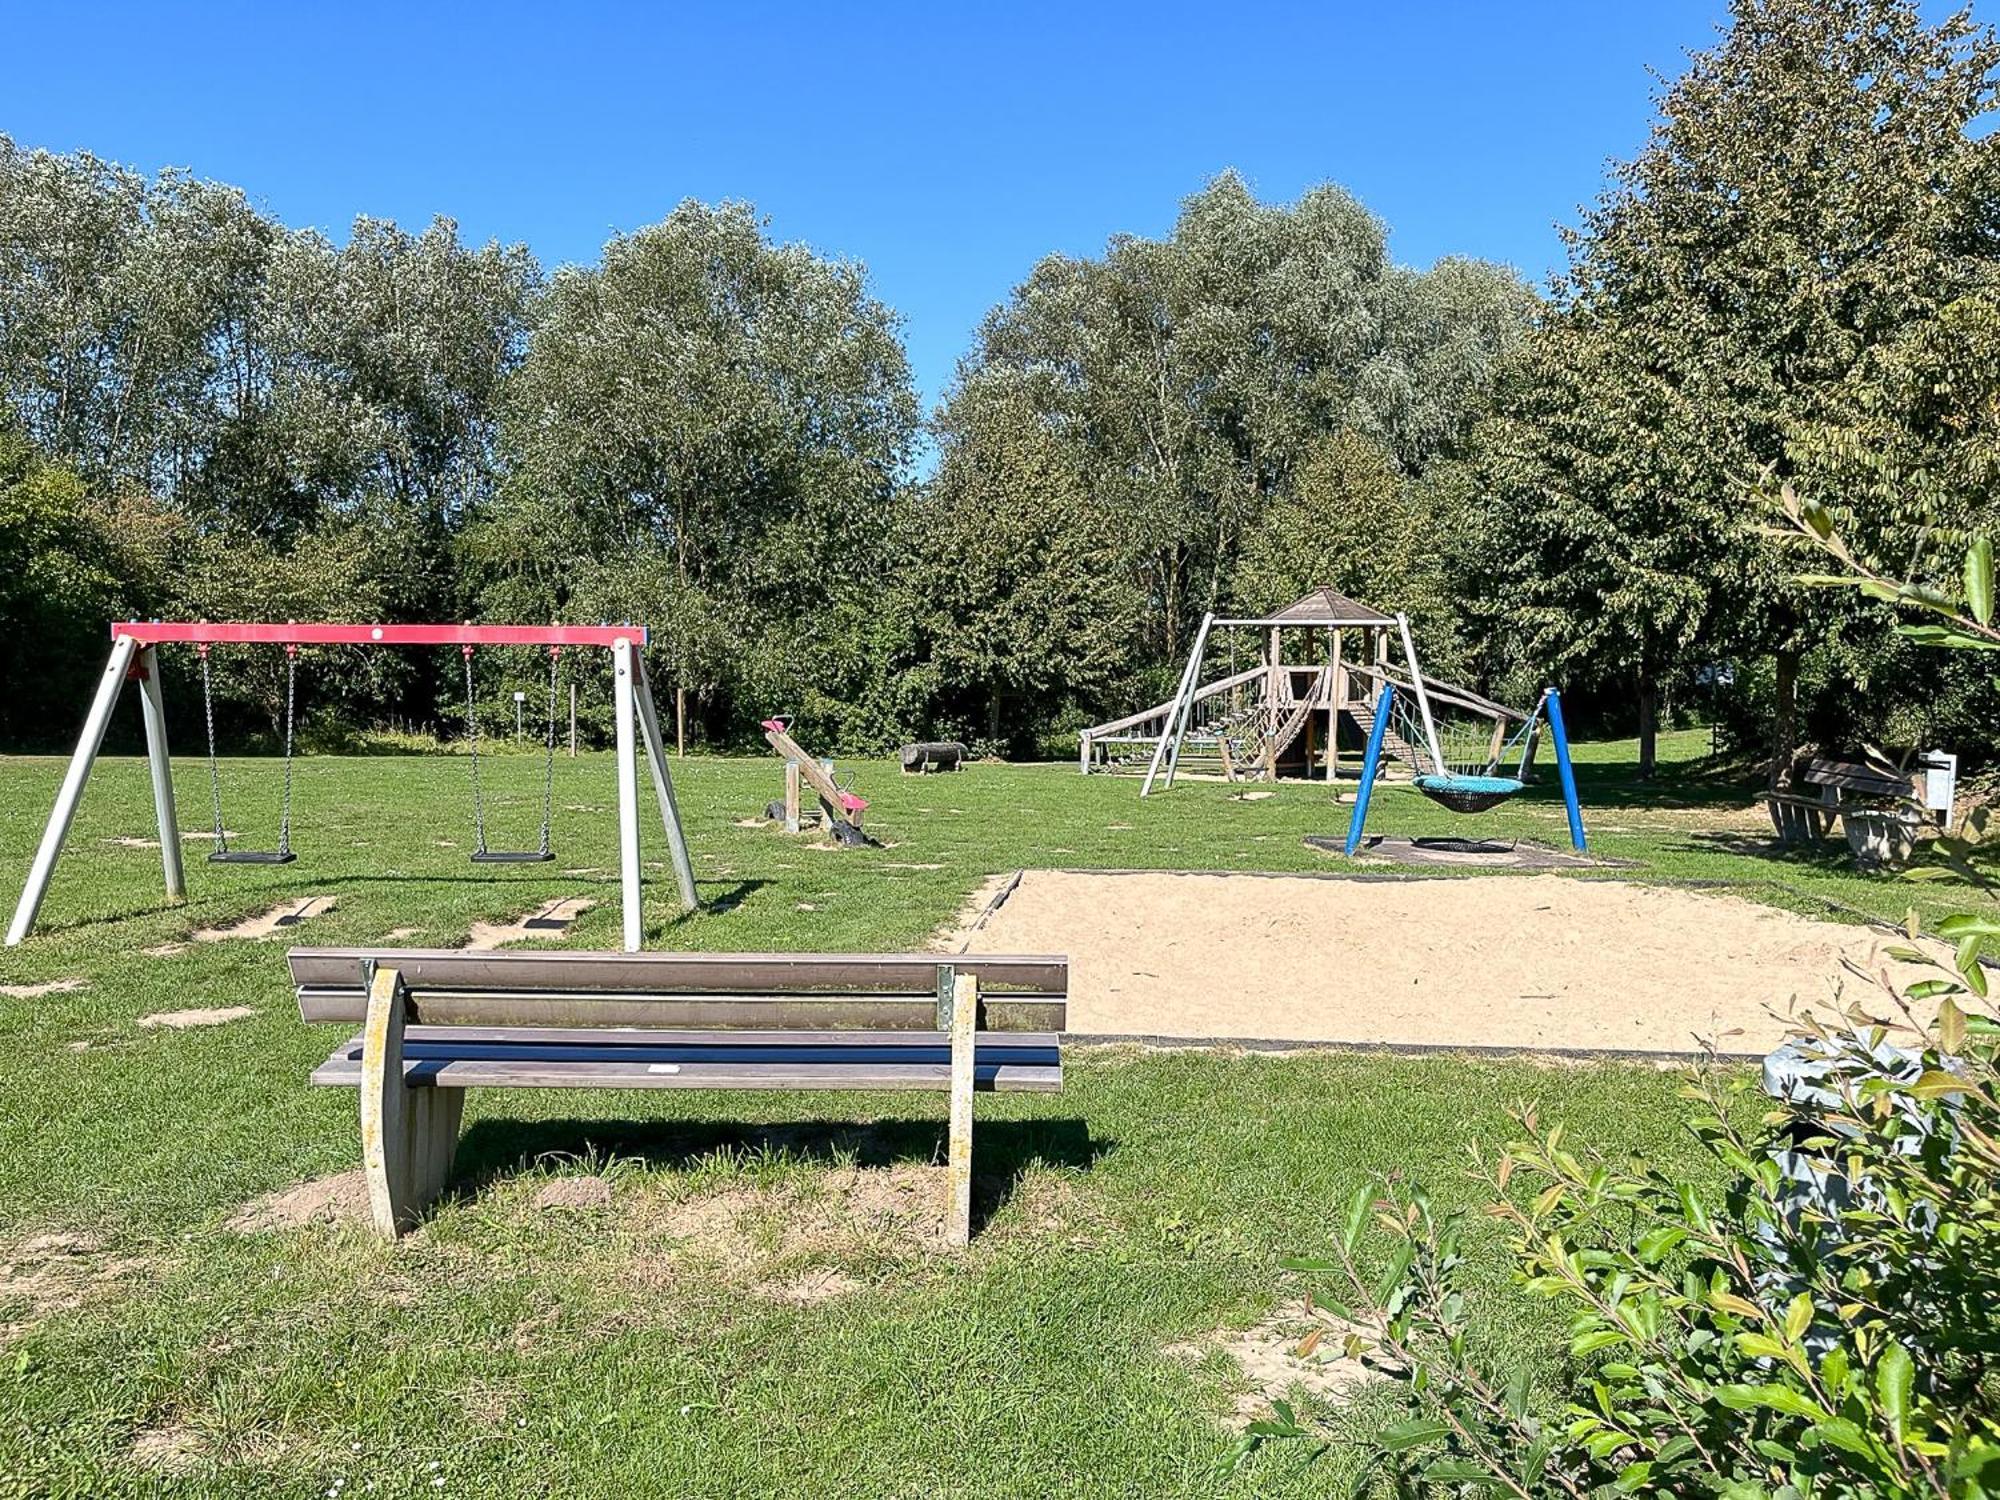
[
  {"x": 964, "y": 1028},
  {"x": 408, "y": 1135}
]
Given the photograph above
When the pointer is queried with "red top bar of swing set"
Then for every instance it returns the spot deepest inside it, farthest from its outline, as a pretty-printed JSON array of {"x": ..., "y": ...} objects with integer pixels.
[{"x": 155, "y": 632}]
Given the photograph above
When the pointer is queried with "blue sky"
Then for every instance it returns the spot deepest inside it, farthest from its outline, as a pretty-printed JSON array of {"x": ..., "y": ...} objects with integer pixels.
[{"x": 947, "y": 146}]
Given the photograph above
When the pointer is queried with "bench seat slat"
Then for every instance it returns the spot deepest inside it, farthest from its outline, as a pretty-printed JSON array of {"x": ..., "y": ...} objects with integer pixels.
[
  {"x": 675, "y": 1036},
  {"x": 768, "y": 1012},
  {"x": 700, "y": 973},
  {"x": 637, "y": 1073},
  {"x": 427, "y": 1044}
]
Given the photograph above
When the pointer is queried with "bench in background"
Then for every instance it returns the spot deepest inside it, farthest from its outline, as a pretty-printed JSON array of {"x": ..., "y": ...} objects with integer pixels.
[
  {"x": 436, "y": 1022},
  {"x": 1807, "y": 817}
]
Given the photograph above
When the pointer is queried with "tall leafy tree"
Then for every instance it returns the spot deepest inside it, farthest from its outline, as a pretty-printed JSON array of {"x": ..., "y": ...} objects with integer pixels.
[
  {"x": 727, "y": 418},
  {"x": 1812, "y": 191},
  {"x": 1188, "y": 380}
]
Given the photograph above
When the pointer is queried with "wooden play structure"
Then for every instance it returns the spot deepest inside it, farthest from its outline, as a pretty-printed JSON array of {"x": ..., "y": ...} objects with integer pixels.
[
  {"x": 840, "y": 809},
  {"x": 135, "y": 658},
  {"x": 1323, "y": 667}
]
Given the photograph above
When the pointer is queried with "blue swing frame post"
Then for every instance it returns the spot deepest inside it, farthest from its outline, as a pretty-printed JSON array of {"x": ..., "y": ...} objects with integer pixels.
[
  {"x": 1551, "y": 703},
  {"x": 1368, "y": 764}
]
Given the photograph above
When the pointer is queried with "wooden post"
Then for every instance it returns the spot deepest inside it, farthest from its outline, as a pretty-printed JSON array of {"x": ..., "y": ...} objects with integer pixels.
[
  {"x": 408, "y": 1135},
  {"x": 964, "y": 1035},
  {"x": 1333, "y": 712},
  {"x": 794, "y": 784}
]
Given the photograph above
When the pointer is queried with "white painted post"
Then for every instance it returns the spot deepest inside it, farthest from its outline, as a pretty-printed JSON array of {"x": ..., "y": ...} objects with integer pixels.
[
  {"x": 1423, "y": 698},
  {"x": 162, "y": 769},
  {"x": 1170, "y": 731},
  {"x": 64, "y": 812},
  {"x": 1187, "y": 698},
  {"x": 628, "y": 795},
  {"x": 663, "y": 787}
]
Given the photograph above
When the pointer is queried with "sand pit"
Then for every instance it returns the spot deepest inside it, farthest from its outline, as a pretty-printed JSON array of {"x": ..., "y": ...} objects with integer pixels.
[{"x": 1529, "y": 963}]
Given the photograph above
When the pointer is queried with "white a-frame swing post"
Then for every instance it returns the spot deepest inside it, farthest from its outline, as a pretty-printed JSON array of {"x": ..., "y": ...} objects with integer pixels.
[
  {"x": 663, "y": 785},
  {"x": 1169, "y": 747},
  {"x": 1423, "y": 698},
  {"x": 128, "y": 658},
  {"x": 638, "y": 723}
]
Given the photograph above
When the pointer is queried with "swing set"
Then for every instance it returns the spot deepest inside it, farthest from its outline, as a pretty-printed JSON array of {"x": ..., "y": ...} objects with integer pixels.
[{"x": 135, "y": 658}]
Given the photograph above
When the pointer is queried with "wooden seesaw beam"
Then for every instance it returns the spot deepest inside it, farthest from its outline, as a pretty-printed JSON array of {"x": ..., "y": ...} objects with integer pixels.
[{"x": 840, "y": 807}]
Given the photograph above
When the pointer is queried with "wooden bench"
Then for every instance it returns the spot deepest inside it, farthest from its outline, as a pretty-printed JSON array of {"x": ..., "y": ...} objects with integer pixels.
[
  {"x": 437, "y": 1022},
  {"x": 1808, "y": 817}
]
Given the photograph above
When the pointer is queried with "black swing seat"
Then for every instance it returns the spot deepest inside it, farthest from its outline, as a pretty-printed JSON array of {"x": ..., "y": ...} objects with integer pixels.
[
  {"x": 251, "y": 856},
  {"x": 512, "y": 856}
]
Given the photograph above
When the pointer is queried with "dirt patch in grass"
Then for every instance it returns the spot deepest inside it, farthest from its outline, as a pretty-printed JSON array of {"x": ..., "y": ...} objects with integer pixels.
[
  {"x": 48, "y": 987},
  {"x": 164, "y": 950},
  {"x": 341, "y": 1199},
  {"x": 181, "y": 1020},
  {"x": 551, "y": 919},
  {"x": 272, "y": 921},
  {"x": 169, "y": 1450},
  {"x": 575, "y": 1194},
  {"x": 1295, "y": 1348},
  {"x": 799, "y": 1241},
  {"x": 51, "y": 1273}
]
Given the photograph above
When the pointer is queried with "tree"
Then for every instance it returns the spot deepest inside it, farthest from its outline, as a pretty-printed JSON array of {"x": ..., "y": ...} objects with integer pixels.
[
  {"x": 1810, "y": 195},
  {"x": 1015, "y": 593},
  {"x": 737, "y": 410},
  {"x": 1188, "y": 379}
]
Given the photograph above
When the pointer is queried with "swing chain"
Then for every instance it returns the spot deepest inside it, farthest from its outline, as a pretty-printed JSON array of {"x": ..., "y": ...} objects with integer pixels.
[
  {"x": 549, "y": 756},
  {"x": 285, "y": 812},
  {"x": 214, "y": 775},
  {"x": 472, "y": 740}
]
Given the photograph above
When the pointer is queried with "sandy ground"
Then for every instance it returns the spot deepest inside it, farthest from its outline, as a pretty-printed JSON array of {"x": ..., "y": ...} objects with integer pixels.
[{"x": 1528, "y": 963}]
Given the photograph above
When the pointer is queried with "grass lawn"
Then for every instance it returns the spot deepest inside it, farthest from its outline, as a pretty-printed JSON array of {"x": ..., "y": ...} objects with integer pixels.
[{"x": 734, "y": 1323}]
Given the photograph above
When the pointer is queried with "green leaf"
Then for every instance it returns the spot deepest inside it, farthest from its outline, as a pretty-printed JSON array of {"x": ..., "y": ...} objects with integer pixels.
[
  {"x": 1590, "y": 1343},
  {"x": 1778, "y": 1398},
  {"x": 1399, "y": 1437},
  {"x": 1357, "y": 1215},
  {"x": 1935, "y": 1083},
  {"x": 1798, "y": 1317},
  {"x": 1979, "y": 579},
  {"x": 1895, "y": 1378}
]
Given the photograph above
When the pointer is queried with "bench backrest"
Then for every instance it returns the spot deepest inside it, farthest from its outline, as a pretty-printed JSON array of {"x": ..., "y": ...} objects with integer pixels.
[
  {"x": 1860, "y": 777},
  {"x": 703, "y": 991}
]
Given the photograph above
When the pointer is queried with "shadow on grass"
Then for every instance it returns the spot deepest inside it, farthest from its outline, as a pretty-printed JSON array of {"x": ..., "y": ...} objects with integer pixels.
[
  {"x": 728, "y": 898},
  {"x": 1672, "y": 786},
  {"x": 1003, "y": 1150}
]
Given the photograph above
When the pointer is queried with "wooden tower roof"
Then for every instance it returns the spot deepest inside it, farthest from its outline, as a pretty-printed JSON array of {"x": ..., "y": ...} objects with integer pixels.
[{"x": 1325, "y": 607}]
